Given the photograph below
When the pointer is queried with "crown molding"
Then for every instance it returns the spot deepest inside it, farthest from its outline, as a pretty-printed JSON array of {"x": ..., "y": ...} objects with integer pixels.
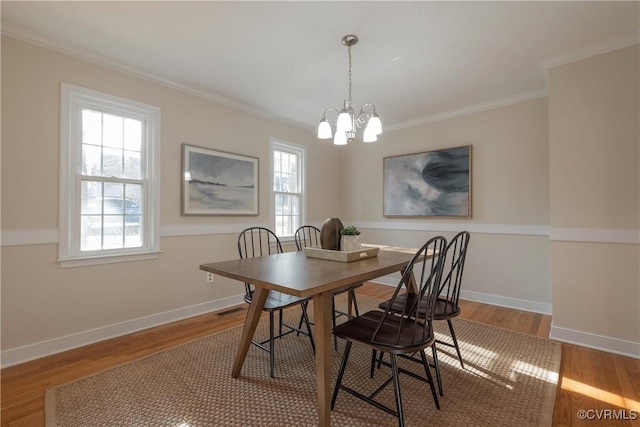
[
  {"x": 587, "y": 52},
  {"x": 10, "y": 31},
  {"x": 591, "y": 50},
  {"x": 496, "y": 103}
]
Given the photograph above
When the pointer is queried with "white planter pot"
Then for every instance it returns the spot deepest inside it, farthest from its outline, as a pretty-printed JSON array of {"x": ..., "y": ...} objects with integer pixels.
[{"x": 350, "y": 243}]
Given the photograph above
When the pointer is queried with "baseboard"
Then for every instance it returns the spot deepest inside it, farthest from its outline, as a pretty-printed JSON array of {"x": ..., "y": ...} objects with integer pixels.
[
  {"x": 596, "y": 342},
  {"x": 29, "y": 352},
  {"x": 519, "y": 304}
]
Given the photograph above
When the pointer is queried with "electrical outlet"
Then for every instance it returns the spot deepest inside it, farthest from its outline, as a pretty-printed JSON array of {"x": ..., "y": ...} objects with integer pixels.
[{"x": 209, "y": 277}]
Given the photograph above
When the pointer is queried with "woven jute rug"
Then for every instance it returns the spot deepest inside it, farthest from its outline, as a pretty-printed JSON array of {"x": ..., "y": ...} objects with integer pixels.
[{"x": 509, "y": 380}]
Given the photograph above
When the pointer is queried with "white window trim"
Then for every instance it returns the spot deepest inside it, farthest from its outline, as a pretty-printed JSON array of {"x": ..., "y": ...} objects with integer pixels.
[
  {"x": 300, "y": 150},
  {"x": 69, "y": 254}
]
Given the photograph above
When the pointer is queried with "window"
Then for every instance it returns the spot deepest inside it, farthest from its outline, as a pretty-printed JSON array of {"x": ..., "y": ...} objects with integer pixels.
[
  {"x": 288, "y": 187},
  {"x": 109, "y": 207}
]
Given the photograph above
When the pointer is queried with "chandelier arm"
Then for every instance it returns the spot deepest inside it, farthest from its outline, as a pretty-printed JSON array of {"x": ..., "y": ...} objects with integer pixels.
[
  {"x": 362, "y": 118},
  {"x": 368, "y": 104},
  {"x": 324, "y": 115}
]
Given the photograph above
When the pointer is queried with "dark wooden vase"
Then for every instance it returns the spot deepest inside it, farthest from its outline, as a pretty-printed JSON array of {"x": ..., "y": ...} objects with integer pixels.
[{"x": 330, "y": 234}]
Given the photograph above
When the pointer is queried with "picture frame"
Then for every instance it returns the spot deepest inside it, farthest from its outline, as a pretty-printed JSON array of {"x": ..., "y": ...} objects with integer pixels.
[
  {"x": 218, "y": 182},
  {"x": 433, "y": 183}
]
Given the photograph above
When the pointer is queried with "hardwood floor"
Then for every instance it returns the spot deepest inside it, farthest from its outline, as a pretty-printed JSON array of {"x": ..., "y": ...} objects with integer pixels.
[{"x": 604, "y": 385}]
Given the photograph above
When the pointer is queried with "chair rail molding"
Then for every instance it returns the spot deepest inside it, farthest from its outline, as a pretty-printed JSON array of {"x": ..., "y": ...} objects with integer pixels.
[
  {"x": 628, "y": 236},
  {"x": 593, "y": 235}
]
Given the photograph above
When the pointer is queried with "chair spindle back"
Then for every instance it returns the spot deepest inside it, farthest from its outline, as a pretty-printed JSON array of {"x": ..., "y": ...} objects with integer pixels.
[
  {"x": 306, "y": 236},
  {"x": 415, "y": 327},
  {"x": 453, "y": 270},
  {"x": 256, "y": 242}
]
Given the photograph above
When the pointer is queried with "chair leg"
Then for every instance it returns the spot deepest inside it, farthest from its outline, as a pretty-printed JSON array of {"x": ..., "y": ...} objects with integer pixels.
[
  {"x": 374, "y": 353},
  {"x": 272, "y": 352},
  {"x": 455, "y": 342},
  {"x": 396, "y": 389},
  {"x": 352, "y": 294},
  {"x": 333, "y": 319},
  {"x": 304, "y": 309},
  {"x": 305, "y": 316},
  {"x": 434, "y": 351},
  {"x": 427, "y": 370},
  {"x": 343, "y": 365},
  {"x": 380, "y": 359}
]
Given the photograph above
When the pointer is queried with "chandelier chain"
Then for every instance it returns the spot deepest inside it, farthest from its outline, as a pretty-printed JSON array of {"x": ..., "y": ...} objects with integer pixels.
[{"x": 349, "y": 47}]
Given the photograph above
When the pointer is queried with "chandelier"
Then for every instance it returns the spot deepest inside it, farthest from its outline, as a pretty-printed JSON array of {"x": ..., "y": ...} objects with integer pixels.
[{"x": 348, "y": 122}]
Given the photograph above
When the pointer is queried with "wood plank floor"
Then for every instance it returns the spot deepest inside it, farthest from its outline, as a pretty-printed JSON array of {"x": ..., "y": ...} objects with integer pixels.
[{"x": 600, "y": 383}]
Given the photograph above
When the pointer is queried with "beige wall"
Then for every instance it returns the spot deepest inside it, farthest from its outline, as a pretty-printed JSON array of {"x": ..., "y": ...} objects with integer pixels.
[
  {"x": 508, "y": 261},
  {"x": 595, "y": 188},
  {"x": 41, "y": 301}
]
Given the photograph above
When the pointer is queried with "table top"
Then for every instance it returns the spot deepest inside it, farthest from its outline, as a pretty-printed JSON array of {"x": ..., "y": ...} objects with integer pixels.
[{"x": 296, "y": 274}]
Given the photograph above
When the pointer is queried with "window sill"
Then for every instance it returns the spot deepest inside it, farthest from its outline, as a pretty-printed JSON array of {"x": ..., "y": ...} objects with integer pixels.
[{"x": 107, "y": 259}]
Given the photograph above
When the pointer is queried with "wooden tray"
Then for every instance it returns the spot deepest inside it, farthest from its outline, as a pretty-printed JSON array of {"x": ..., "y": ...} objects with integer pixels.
[{"x": 364, "y": 253}]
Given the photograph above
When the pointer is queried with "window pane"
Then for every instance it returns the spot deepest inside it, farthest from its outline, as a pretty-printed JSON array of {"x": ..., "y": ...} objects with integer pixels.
[
  {"x": 293, "y": 173},
  {"x": 91, "y": 160},
  {"x": 279, "y": 202},
  {"x": 113, "y": 232},
  {"x": 277, "y": 161},
  {"x": 132, "y": 135},
  {"x": 133, "y": 216},
  {"x": 91, "y": 127},
  {"x": 132, "y": 165},
  {"x": 112, "y": 131},
  {"x": 132, "y": 231},
  {"x": 133, "y": 199},
  {"x": 295, "y": 206},
  {"x": 112, "y": 162},
  {"x": 90, "y": 233},
  {"x": 91, "y": 197}
]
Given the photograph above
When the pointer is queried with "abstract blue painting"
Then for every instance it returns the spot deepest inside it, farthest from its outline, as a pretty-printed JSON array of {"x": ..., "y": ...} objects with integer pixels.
[{"x": 433, "y": 183}]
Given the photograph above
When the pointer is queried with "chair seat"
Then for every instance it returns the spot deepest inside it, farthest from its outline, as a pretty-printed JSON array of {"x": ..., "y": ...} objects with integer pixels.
[
  {"x": 444, "y": 309},
  {"x": 277, "y": 300},
  {"x": 362, "y": 328}
]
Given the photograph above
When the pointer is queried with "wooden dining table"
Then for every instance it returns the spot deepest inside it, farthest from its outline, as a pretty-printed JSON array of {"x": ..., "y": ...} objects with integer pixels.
[{"x": 296, "y": 274}]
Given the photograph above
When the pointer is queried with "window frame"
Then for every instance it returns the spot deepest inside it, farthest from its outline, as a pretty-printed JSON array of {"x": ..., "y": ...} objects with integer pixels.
[
  {"x": 72, "y": 99},
  {"x": 301, "y": 152}
]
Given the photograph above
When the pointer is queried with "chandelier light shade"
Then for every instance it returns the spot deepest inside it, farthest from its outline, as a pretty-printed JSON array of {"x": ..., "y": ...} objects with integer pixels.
[{"x": 348, "y": 123}]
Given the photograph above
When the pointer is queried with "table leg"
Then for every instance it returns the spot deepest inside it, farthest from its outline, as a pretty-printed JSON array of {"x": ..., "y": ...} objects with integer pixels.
[
  {"x": 250, "y": 323},
  {"x": 323, "y": 314}
]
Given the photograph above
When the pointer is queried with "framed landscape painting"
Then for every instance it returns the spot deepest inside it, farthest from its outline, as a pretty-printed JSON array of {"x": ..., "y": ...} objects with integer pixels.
[
  {"x": 434, "y": 183},
  {"x": 218, "y": 183}
]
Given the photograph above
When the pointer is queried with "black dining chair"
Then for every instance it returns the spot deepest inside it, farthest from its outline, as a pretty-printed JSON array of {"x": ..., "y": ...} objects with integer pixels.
[
  {"x": 309, "y": 235},
  {"x": 260, "y": 241},
  {"x": 403, "y": 332},
  {"x": 447, "y": 306}
]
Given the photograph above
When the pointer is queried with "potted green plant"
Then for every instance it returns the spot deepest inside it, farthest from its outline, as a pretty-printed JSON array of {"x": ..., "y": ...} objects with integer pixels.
[{"x": 350, "y": 240}]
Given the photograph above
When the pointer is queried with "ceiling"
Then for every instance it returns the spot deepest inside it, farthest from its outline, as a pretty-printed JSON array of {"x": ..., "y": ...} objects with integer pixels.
[{"x": 416, "y": 61}]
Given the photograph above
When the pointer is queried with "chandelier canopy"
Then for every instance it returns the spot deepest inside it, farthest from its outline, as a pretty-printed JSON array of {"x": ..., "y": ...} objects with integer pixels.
[{"x": 348, "y": 122}]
